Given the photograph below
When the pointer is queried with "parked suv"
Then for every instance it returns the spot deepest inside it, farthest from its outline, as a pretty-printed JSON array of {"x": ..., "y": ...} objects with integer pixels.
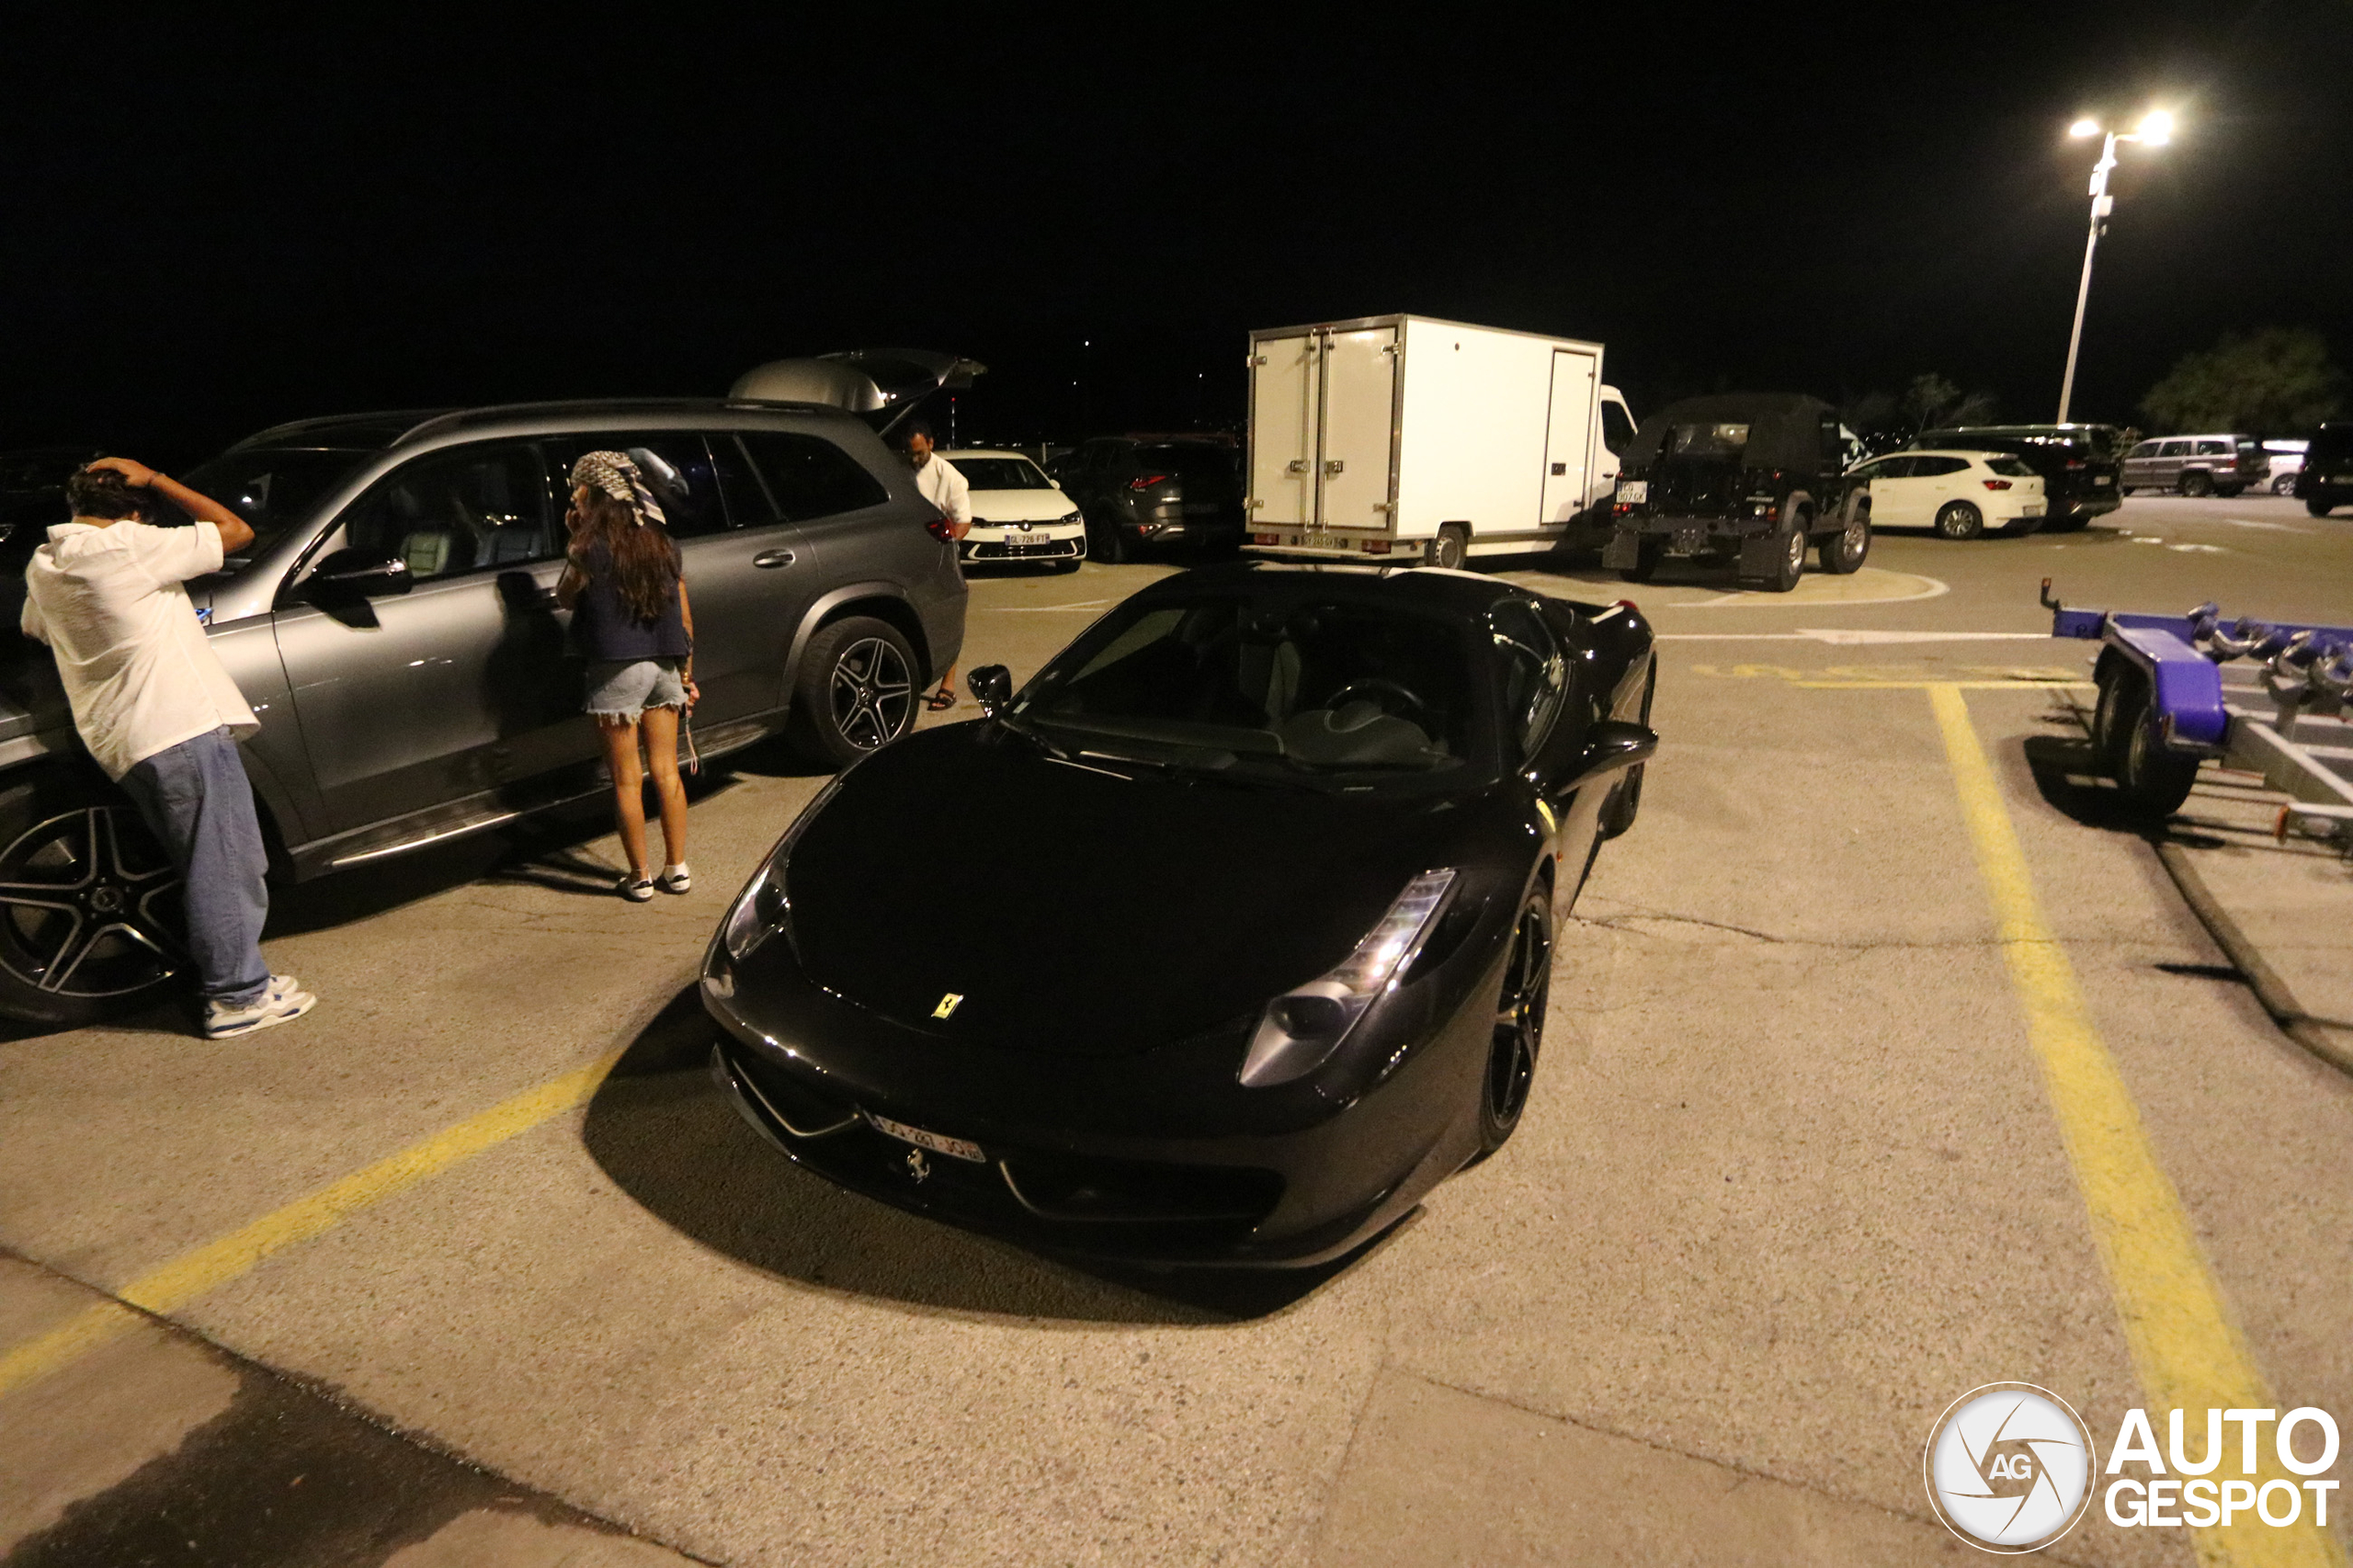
[
  {"x": 2079, "y": 464},
  {"x": 1149, "y": 489},
  {"x": 395, "y": 626},
  {"x": 1744, "y": 480},
  {"x": 2196, "y": 465},
  {"x": 2326, "y": 478}
]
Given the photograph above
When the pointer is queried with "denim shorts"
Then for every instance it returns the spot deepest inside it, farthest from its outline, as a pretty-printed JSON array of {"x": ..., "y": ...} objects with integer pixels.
[{"x": 623, "y": 689}]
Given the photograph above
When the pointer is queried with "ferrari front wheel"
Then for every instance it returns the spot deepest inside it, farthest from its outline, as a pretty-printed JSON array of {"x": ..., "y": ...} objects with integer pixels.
[{"x": 1519, "y": 1022}]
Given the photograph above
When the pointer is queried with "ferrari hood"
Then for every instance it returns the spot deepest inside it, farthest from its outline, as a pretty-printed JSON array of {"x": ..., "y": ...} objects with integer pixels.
[{"x": 962, "y": 883}]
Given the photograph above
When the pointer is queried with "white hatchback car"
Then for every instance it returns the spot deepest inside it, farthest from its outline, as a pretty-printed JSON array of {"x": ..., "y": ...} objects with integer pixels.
[
  {"x": 1019, "y": 514},
  {"x": 1961, "y": 494}
]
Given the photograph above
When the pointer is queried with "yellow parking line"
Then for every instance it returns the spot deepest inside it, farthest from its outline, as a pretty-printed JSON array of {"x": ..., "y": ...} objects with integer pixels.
[
  {"x": 2185, "y": 1344},
  {"x": 180, "y": 1281}
]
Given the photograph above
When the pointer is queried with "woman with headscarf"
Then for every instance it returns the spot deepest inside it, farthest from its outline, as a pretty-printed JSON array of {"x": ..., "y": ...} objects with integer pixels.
[{"x": 624, "y": 583}]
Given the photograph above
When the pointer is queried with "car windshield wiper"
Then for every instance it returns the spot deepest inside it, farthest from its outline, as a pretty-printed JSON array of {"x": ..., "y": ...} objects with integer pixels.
[{"x": 1030, "y": 732}]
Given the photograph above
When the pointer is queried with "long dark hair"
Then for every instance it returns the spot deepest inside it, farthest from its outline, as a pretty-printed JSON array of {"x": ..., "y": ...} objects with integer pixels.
[{"x": 641, "y": 557}]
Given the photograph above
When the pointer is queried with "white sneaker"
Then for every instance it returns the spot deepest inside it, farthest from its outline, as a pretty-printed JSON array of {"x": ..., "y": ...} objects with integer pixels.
[
  {"x": 283, "y": 1003},
  {"x": 634, "y": 888},
  {"x": 674, "y": 878}
]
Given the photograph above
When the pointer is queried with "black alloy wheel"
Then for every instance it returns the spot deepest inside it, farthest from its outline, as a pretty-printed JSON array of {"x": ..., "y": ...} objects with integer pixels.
[
  {"x": 1519, "y": 1021},
  {"x": 90, "y": 917},
  {"x": 1451, "y": 548},
  {"x": 2196, "y": 483},
  {"x": 1959, "y": 520},
  {"x": 856, "y": 691},
  {"x": 1844, "y": 552}
]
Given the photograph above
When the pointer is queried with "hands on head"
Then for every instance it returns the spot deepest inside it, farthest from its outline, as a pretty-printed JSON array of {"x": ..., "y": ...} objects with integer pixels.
[{"x": 135, "y": 474}]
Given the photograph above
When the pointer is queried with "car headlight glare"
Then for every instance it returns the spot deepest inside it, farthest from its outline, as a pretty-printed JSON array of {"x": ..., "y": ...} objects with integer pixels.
[{"x": 1304, "y": 1025}]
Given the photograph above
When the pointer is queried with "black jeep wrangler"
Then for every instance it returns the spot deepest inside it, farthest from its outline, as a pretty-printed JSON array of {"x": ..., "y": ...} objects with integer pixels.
[{"x": 1746, "y": 479}]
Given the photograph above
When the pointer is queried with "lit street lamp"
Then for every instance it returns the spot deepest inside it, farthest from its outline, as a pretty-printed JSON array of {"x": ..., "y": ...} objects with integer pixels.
[{"x": 2155, "y": 130}]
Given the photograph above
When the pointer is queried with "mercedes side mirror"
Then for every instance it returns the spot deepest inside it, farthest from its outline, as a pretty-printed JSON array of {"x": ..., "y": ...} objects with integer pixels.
[
  {"x": 992, "y": 687},
  {"x": 368, "y": 572},
  {"x": 1613, "y": 746}
]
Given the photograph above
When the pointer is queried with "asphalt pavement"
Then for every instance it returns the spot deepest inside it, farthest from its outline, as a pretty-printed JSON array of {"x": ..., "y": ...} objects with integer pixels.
[{"x": 1881, "y": 1065}]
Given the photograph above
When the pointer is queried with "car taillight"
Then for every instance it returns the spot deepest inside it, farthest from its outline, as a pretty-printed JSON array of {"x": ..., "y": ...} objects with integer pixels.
[
  {"x": 1997, "y": 485},
  {"x": 939, "y": 528},
  {"x": 2073, "y": 463},
  {"x": 1146, "y": 480}
]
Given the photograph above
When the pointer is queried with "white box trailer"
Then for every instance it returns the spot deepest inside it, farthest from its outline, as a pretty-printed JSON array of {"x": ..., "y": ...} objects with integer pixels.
[{"x": 1407, "y": 436}]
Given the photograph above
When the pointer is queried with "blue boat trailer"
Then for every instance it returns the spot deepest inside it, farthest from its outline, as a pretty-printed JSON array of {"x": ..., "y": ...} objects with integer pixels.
[{"x": 2268, "y": 699}]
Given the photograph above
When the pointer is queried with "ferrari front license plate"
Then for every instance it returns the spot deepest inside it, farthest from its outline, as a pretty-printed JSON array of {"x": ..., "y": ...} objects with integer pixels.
[{"x": 938, "y": 1143}]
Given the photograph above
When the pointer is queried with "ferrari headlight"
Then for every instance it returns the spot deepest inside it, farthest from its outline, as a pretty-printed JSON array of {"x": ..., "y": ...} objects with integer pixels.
[
  {"x": 1301, "y": 1028},
  {"x": 763, "y": 908},
  {"x": 756, "y": 915}
]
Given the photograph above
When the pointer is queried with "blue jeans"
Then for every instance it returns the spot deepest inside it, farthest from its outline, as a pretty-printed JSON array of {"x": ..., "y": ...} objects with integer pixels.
[{"x": 197, "y": 799}]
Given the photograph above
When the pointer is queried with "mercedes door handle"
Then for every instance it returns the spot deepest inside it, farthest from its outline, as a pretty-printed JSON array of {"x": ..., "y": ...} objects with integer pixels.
[{"x": 773, "y": 558}]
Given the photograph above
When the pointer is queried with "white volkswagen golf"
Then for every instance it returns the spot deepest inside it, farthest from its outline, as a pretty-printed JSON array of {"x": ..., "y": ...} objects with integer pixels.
[
  {"x": 1019, "y": 514},
  {"x": 1961, "y": 494}
]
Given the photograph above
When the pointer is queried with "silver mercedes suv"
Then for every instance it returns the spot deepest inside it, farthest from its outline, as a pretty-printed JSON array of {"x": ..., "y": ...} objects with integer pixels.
[{"x": 395, "y": 626}]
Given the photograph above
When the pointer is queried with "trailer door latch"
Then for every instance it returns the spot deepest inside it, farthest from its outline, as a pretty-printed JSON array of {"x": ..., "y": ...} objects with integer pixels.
[{"x": 1334, "y": 465}]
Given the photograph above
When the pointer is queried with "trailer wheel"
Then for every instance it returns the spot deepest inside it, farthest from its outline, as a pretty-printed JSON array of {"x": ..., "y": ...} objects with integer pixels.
[
  {"x": 2155, "y": 779},
  {"x": 1450, "y": 548},
  {"x": 2119, "y": 698}
]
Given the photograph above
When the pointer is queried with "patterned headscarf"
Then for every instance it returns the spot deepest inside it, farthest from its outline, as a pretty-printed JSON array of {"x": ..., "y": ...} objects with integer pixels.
[{"x": 617, "y": 476}]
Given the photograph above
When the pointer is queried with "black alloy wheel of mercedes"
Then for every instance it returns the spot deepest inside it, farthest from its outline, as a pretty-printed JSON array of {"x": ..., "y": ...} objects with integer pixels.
[
  {"x": 90, "y": 917},
  {"x": 856, "y": 691},
  {"x": 1519, "y": 1020}
]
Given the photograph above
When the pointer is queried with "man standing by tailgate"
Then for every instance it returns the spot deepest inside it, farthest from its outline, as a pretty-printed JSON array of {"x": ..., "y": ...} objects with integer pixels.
[
  {"x": 944, "y": 488},
  {"x": 161, "y": 714}
]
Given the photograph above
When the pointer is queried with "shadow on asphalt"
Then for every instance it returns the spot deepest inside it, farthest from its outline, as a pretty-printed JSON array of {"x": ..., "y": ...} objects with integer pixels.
[
  {"x": 545, "y": 849},
  {"x": 662, "y": 1130}
]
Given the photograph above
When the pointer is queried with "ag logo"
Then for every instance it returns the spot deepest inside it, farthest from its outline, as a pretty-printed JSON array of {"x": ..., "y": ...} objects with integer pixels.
[{"x": 2010, "y": 1467}]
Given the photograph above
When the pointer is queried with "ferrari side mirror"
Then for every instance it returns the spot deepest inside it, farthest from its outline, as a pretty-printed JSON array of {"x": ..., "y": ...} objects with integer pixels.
[
  {"x": 1612, "y": 746},
  {"x": 992, "y": 687}
]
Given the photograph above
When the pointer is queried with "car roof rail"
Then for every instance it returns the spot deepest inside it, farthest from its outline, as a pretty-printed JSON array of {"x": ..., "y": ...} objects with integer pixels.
[
  {"x": 320, "y": 424},
  {"x": 452, "y": 419}
]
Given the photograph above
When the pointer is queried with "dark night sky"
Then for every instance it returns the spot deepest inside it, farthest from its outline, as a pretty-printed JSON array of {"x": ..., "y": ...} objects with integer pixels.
[{"x": 217, "y": 225}]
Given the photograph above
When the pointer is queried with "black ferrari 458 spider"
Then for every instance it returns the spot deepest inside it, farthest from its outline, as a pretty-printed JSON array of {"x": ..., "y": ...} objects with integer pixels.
[{"x": 1266, "y": 958}]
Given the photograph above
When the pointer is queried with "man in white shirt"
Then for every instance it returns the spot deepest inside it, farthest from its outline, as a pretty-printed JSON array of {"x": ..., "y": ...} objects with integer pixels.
[
  {"x": 161, "y": 714},
  {"x": 941, "y": 485}
]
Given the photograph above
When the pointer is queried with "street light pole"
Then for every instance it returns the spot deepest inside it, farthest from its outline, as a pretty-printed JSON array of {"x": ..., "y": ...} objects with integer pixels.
[
  {"x": 2102, "y": 205},
  {"x": 2156, "y": 130}
]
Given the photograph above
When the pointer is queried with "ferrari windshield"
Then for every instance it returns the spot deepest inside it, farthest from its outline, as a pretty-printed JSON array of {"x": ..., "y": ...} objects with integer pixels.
[
  {"x": 1264, "y": 684},
  {"x": 273, "y": 489}
]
